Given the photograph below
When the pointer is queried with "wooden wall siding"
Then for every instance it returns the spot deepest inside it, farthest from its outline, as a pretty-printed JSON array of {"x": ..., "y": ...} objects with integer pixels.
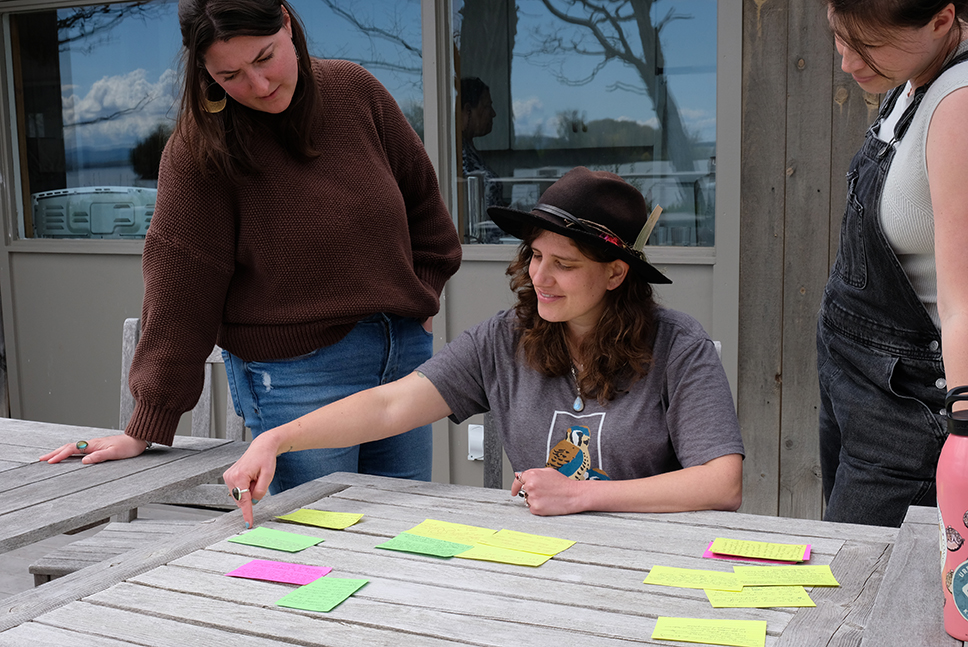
[{"x": 802, "y": 121}]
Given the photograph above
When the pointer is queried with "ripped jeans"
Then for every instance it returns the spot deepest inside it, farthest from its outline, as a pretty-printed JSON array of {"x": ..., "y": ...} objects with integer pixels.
[{"x": 379, "y": 349}]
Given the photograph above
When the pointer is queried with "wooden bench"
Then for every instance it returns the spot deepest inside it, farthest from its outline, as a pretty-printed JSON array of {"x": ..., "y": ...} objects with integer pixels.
[
  {"x": 112, "y": 540},
  {"x": 128, "y": 532}
]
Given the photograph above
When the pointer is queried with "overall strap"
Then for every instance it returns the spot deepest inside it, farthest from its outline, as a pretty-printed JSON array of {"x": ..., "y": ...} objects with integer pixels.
[{"x": 908, "y": 116}]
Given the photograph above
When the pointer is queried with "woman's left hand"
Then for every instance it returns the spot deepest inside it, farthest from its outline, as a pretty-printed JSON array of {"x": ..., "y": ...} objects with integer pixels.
[
  {"x": 547, "y": 492},
  {"x": 251, "y": 475}
]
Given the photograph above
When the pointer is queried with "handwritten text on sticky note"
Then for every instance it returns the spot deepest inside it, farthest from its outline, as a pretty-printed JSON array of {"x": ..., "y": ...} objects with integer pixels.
[
  {"x": 323, "y": 594},
  {"x": 759, "y": 549},
  {"x": 736, "y": 633},
  {"x": 261, "y": 569},
  {"x": 760, "y": 597},
  {"x": 785, "y": 575},
  {"x": 408, "y": 543},
  {"x": 528, "y": 543},
  {"x": 323, "y": 519},
  {"x": 690, "y": 578},
  {"x": 275, "y": 539}
]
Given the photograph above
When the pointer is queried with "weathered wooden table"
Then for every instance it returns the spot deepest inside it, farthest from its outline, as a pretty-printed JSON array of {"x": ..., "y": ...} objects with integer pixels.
[
  {"x": 38, "y": 500},
  {"x": 591, "y": 594}
]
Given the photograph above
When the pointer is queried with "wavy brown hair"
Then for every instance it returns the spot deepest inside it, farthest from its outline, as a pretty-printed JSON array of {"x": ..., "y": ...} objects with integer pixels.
[
  {"x": 219, "y": 140},
  {"x": 617, "y": 354},
  {"x": 865, "y": 24}
]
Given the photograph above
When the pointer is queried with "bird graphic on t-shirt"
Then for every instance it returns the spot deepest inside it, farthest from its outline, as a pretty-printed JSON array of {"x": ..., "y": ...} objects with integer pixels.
[{"x": 570, "y": 456}]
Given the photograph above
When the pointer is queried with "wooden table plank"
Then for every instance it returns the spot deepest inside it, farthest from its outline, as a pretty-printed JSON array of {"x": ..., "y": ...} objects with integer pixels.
[
  {"x": 92, "y": 499},
  {"x": 909, "y": 604}
]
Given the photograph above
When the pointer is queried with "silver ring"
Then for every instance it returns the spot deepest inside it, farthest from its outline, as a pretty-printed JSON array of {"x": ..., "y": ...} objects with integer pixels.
[
  {"x": 237, "y": 493},
  {"x": 81, "y": 445}
]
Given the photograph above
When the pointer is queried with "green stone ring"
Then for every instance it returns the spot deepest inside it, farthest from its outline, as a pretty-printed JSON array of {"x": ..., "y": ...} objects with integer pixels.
[{"x": 81, "y": 445}]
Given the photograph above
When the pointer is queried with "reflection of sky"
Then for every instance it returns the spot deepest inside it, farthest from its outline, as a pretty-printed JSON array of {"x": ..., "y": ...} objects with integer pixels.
[
  {"x": 138, "y": 62},
  {"x": 135, "y": 65},
  {"x": 688, "y": 43}
]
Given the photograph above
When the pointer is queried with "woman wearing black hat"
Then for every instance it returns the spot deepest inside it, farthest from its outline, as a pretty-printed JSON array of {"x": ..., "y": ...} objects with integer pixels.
[{"x": 605, "y": 400}]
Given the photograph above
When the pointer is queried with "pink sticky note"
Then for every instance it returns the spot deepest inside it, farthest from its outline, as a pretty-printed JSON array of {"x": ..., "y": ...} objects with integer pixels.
[
  {"x": 260, "y": 569},
  {"x": 711, "y": 555}
]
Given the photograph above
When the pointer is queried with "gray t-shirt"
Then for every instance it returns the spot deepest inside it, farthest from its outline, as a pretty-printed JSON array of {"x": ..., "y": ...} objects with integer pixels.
[{"x": 679, "y": 415}]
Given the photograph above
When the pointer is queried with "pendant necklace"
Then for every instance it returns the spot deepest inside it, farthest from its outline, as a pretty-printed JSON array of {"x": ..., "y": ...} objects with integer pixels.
[{"x": 579, "y": 404}]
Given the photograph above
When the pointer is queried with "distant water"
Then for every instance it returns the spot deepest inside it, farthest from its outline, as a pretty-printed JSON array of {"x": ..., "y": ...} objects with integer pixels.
[{"x": 107, "y": 176}]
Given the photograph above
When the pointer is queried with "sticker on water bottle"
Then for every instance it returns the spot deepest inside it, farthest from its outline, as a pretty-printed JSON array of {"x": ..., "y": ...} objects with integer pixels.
[{"x": 959, "y": 589}]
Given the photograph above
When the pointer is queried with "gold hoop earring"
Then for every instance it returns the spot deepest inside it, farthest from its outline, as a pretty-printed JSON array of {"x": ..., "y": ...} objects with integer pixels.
[{"x": 213, "y": 107}]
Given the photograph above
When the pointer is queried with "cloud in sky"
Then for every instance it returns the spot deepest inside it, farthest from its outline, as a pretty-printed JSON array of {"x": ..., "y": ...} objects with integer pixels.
[
  {"x": 119, "y": 110},
  {"x": 530, "y": 117}
]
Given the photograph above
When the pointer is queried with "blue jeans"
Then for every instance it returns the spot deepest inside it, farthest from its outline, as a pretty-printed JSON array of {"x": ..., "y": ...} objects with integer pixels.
[{"x": 380, "y": 349}]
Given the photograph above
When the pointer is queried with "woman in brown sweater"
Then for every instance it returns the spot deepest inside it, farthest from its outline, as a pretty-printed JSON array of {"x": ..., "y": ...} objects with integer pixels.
[{"x": 300, "y": 227}]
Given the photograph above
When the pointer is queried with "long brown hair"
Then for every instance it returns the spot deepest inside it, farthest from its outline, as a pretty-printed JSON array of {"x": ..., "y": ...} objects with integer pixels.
[
  {"x": 220, "y": 139},
  {"x": 614, "y": 356},
  {"x": 864, "y": 24}
]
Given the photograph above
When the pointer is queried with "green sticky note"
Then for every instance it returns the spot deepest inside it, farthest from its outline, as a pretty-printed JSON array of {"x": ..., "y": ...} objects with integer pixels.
[
  {"x": 323, "y": 594},
  {"x": 785, "y": 575},
  {"x": 515, "y": 540},
  {"x": 691, "y": 578},
  {"x": 736, "y": 633},
  {"x": 456, "y": 532},
  {"x": 407, "y": 543},
  {"x": 761, "y": 597},
  {"x": 322, "y": 519},
  {"x": 504, "y": 555},
  {"x": 275, "y": 539}
]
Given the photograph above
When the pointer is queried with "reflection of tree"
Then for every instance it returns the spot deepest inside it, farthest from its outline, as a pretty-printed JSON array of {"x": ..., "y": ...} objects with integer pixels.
[
  {"x": 92, "y": 23},
  {"x": 392, "y": 33},
  {"x": 609, "y": 29},
  {"x": 142, "y": 102},
  {"x": 146, "y": 155},
  {"x": 84, "y": 29}
]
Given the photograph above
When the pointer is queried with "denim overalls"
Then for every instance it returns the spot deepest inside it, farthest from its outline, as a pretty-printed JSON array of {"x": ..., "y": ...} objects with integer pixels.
[{"x": 882, "y": 384}]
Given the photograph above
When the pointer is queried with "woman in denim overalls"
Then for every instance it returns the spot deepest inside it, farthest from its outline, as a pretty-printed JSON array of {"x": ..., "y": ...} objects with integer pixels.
[{"x": 882, "y": 378}]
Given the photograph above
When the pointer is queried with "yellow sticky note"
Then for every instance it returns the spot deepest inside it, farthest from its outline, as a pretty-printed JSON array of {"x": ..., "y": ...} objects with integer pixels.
[
  {"x": 785, "y": 575},
  {"x": 690, "y": 578},
  {"x": 759, "y": 549},
  {"x": 737, "y": 633},
  {"x": 760, "y": 597},
  {"x": 528, "y": 543},
  {"x": 455, "y": 532},
  {"x": 334, "y": 520},
  {"x": 504, "y": 555}
]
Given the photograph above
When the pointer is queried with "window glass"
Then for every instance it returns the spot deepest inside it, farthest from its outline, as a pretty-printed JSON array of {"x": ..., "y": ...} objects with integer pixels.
[
  {"x": 624, "y": 86},
  {"x": 97, "y": 90}
]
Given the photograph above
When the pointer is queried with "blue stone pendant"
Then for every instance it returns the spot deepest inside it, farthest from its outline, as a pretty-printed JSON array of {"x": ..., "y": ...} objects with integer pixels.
[{"x": 579, "y": 404}]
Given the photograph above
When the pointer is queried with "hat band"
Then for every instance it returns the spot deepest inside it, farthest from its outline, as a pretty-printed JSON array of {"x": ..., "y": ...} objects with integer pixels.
[{"x": 590, "y": 227}]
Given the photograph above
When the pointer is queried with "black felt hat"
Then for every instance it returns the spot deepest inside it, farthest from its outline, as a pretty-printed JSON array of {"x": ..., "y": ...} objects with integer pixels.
[{"x": 597, "y": 208}]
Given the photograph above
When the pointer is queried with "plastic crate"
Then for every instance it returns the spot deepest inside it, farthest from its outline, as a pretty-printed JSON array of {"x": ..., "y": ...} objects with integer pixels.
[{"x": 93, "y": 212}]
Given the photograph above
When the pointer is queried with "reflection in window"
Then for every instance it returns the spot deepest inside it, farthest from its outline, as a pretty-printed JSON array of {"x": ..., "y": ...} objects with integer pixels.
[
  {"x": 624, "y": 86},
  {"x": 97, "y": 90}
]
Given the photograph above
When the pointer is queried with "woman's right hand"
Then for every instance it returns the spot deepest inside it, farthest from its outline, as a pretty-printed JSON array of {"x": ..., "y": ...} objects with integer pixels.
[
  {"x": 109, "y": 448},
  {"x": 252, "y": 474}
]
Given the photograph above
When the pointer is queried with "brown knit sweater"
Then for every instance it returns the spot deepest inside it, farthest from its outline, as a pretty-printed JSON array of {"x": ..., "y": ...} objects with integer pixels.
[{"x": 289, "y": 259}]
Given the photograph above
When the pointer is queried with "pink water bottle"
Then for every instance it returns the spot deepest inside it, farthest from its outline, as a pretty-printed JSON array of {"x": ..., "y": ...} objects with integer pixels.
[{"x": 952, "y": 483}]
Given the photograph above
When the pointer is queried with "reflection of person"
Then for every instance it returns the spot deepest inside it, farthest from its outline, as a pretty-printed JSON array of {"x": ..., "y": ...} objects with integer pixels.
[
  {"x": 586, "y": 374},
  {"x": 896, "y": 302},
  {"x": 477, "y": 119},
  {"x": 299, "y": 225}
]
